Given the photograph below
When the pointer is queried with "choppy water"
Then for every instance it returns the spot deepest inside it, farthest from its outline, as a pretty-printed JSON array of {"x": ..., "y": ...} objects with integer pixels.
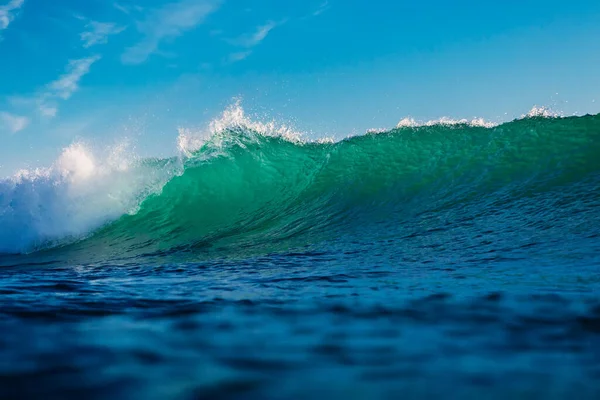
[{"x": 448, "y": 260}]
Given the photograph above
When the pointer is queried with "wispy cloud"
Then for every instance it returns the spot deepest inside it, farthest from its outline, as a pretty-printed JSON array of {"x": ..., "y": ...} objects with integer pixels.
[
  {"x": 168, "y": 22},
  {"x": 322, "y": 8},
  {"x": 8, "y": 12},
  {"x": 98, "y": 33},
  {"x": 47, "y": 110},
  {"x": 127, "y": 9},
  {"x": 14, "y": 123},
  {"x": 251, "y": 40},
  {"x": 46, "y": 100},
  {"x": 121, "y": 8},
  {"x": 68, "y": 83},
  {"x": 239, "y": 56}
]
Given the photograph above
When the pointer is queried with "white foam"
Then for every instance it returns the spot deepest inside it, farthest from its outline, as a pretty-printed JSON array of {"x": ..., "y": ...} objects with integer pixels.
[
  {"x": 325, "y": 140},
  {"x": 233, "y": 118},
  {"x": 543, "y": 112},
  {"x": 77, "y": 194},
  {"x": 408, "y": 122}
]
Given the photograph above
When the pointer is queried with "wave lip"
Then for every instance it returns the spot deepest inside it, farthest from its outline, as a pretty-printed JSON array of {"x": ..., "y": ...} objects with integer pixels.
[{"x": 475, "y": 122}]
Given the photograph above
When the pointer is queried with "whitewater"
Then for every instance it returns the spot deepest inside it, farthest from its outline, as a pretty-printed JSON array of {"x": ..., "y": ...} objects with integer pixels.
[{"x": 454, "y": 258}]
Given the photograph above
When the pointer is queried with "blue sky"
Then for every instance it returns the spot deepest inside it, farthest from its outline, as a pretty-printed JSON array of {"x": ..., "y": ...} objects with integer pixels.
[{"x": 101, "y": 70}]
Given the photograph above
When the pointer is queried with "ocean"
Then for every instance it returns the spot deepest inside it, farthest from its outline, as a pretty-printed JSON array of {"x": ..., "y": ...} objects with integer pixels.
[{"x": 450, "y": 259}]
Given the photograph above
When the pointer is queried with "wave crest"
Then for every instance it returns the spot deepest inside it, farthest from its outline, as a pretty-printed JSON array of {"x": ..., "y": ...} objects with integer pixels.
[
  {"x": 242, "y": 176},
  {"x": 445, "y": 121},
  {"x": 232, "y": 119}
]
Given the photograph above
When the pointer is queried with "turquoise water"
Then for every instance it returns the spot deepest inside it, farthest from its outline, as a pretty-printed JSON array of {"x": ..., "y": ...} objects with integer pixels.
[{"x": 449, "y": 260}]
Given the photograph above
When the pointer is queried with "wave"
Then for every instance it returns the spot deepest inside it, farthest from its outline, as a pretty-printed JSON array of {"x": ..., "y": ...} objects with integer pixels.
[{"x": 241, "y": 183}]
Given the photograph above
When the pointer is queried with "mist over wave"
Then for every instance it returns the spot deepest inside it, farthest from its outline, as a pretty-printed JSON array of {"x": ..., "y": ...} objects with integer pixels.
[{"x": 80, "y": 192}]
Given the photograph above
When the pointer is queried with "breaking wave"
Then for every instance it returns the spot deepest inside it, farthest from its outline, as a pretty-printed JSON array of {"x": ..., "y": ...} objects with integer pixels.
[{"x": 241, "y": 184}]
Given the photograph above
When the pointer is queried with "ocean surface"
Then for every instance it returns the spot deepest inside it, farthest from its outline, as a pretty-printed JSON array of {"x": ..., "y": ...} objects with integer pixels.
[{"x": 451, "y": 259}]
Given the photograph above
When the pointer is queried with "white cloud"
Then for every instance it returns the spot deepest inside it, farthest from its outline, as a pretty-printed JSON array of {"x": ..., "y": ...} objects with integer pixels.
[
  {"x": 168, "y": 22},
  {"x": 8, "y": 12},
  {"x": 251, "y": 40},
  {"x": 47, "y": 110},
  {"x": 322, "y": 8},
  {"x": 121, "y": 8},
  {"x": 239, "y": 56},
  {"x": 14, "y": 123},
  {"x": 45, "y": 101},
  {"x": 255, "y": 38},
  {"x": 98, "y": 33},
  {"x": 126, "y": 9},
  {"x": 68, "y": 83}
]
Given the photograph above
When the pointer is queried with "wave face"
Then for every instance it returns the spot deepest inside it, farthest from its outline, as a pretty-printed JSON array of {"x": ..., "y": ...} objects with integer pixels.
[{"x": 249, "y": 188}]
